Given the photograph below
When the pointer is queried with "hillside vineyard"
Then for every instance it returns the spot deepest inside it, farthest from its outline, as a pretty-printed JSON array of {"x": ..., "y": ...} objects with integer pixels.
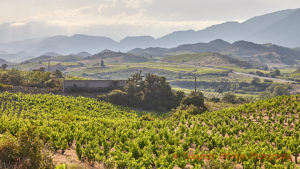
[{"x": 264, "y": 133}]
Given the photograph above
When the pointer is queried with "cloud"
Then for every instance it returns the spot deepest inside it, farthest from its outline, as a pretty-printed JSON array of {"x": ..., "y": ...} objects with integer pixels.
[
  {"x": 120, "y": 18},
  {"x": 15, "y": 31}
]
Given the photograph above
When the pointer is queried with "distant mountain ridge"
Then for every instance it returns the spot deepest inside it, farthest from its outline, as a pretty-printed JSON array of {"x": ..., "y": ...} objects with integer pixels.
[
  {"x": 242, "y": 50},
  {"x": 278, "y": 28}
]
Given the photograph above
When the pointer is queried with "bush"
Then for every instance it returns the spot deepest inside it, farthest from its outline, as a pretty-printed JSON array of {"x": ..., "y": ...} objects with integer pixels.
[
  {"x": 193, "y": 103},
  {"x": 147, "y": 117},
  {"x": 281, "y": 90},
  {"x": 5, "y": 87},
  {"x": 24, "y": 151},
  {"x": 117, "y": 97},
  {"x": 229, "y": 98},
  {"x": 195, "y": 98},
  {"x": 191, "y": 109},
  {"x": 31, "y": 79},
  {"x": 215, "y": 99}
]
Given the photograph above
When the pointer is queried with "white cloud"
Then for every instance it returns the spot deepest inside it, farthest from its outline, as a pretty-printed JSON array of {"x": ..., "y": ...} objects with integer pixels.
[{"x": 119, "y": 18}]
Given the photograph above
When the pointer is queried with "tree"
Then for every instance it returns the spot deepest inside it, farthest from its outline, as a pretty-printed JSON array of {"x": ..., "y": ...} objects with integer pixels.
[
  {"x": 192, "y": 104},
  {"x": 150, "y": 92},
  {"x": 102, "y": 63},
  {"x": 14, "y": 77},
  {"x": 280, "y": 90},
  {"x": 42, "y": 69},
  {"x": 4, "y": 66},
  {"x": 58, "y": 74},
  {"x": 277, "y": 72},
  {"x": 259, "y": 73},
  {"x": 195, "y": 98},
  {"x": 255, "y": 81},
  {"x": 229, "y": 98}
]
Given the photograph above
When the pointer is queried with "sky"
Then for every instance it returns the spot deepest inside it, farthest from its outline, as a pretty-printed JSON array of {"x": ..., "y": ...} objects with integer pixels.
[{"x": 25, "y": 19}]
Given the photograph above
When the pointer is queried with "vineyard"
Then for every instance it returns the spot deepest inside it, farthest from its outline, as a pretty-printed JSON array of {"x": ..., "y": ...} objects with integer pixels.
[{"x": 254, "y": 135}]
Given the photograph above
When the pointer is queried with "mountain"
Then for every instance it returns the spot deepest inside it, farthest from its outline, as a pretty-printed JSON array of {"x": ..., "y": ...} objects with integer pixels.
[
  {"x": 213, "y": 46},
  {"x": 141, "y": 41},
  {"x": 61, "y": 44},
  {"x": 51, "y": 54},
  {"x": 268, "y": 54},
  {"x": 2, "y": 61},
  {"x": 83, "y": 54},
  {"x": 278, "y": 28},
  {"x": 297, "y": 49},
  {"x": 264, "y": 54}
]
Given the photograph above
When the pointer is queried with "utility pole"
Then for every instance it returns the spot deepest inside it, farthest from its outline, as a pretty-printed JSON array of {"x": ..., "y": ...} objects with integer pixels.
[
  {"x": 49, "y": 66},
  {"x": 195, "y": 84}
]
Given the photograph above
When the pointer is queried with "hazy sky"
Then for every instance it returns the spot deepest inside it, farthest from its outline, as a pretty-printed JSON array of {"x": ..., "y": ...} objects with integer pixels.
[{"x": 21, "y": 19}]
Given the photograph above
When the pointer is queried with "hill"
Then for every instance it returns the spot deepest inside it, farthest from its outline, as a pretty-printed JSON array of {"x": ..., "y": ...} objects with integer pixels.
[
  {"x": 99, "y": 132},
  {"x": 43, "y": 58},
  {"x": 16, "y": 58},
  {"x": 120, "y": 57},
  {"x": 83, "y": 54},
  {"x": 208, "y": 59},
  {"x": 267, "y": 53}
]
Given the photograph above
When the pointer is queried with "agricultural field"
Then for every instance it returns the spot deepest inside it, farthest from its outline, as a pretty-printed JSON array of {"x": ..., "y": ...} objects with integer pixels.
[
  {"x": 263, "y": 134},
  {"x": 214, "y": 72}
]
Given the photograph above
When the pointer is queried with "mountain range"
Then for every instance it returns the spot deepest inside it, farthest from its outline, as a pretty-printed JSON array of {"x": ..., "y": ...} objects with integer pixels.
[
  {"x": 258, "y": 54},
  {"x": 278, "y": 28}
]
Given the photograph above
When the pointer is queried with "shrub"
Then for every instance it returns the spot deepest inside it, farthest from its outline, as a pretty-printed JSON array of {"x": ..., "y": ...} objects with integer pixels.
[
  {"x": 215, "y": 99},
  {"x": 195, "y": 98},
  {"x": 229, "y": 98},
  {"x": 281, "y": 90},
  {"x": 147, "y": 117},
  {"x": 5, "y": 87},
  {"x": 24, "y": 151},
  {"x": 193, "y": 103},
  {"x": 118, "y": 97}
]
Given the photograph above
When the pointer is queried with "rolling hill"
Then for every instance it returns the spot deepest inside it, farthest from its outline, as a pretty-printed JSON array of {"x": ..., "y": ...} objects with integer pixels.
[
  {"x": 208, "y": 59},
  {"x": 110, "y": 56}
]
